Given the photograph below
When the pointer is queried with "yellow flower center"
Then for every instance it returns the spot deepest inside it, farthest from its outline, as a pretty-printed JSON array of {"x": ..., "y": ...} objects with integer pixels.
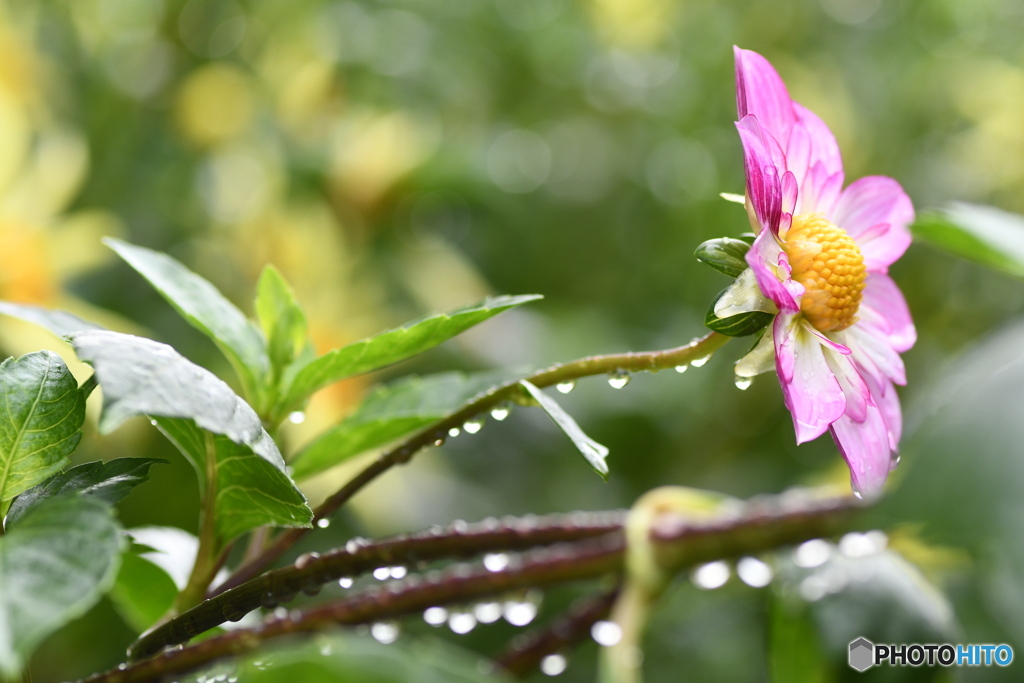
[{"x": 827, "y": 262}]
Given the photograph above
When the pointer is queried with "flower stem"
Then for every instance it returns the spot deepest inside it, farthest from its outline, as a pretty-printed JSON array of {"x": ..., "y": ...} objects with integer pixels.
[
  {"x": 207, "y": 562},
  {"x": 650, "y": 361}
]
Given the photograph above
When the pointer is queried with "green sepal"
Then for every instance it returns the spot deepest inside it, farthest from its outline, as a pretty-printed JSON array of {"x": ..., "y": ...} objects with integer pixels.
[
  {"x": 740, "y": 325},
  {"x": 724, "y": 254}
]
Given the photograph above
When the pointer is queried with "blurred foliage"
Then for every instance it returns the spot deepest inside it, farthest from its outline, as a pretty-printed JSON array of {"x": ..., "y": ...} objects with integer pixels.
[{"x": 398, "y": 157}]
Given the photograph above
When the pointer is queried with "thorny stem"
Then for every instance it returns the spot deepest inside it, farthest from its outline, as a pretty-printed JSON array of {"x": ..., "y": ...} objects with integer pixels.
[
  {"x": 760, "y": 525},
  {"x": 524, "y": 654},
  {"x": 634, "y": 361},
  {"x": 458, "y": 541}
]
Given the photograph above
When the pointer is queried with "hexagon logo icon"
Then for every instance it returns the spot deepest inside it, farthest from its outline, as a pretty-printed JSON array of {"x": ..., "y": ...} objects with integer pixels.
[{"x": 862, "y": 654}]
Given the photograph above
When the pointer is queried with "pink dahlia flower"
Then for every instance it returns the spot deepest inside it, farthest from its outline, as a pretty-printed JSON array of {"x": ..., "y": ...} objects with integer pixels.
[{"x": 820, "y": 262}]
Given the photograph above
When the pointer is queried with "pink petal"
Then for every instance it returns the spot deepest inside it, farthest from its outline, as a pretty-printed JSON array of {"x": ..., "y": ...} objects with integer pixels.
[
  {"x": 855, "y": 389},
  {"x": 761, "y": 92},
  {"x": 824, "y": 149},
  {"x": 865, "y": 447},
  {"x": 771, "y": 269},
  {"x": 812, "y": 393},
  {"x": 874, "y": 353},
  {"x": 864, "y": 207},
  {"x": 882, "y": 298},
  {"x": 764, "y": 190},
  {"x": 888, "y": 402}
]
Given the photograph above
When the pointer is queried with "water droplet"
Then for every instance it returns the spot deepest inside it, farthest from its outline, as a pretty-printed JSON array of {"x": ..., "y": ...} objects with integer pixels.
[
  {"x": 153, "y": 422},
  {"x": 345, "y": 582},
  {"x": 323, "y": 523},
  {"x": 280, "y": 612},
  {"x": 606, "y": 633},
  {"x": 711, "y": 575},
  {"x": 894, "y": 461},
  {"x": 461, "y": 622},
  {"x": 618, "y": 379},
  {"x": 487, "y": 612},
  {"x": 122, "y": 666},
  {"x": 454, "y": 432},
  {"x": 305, "y": 559},
  {"x": 398, "y": 572},
  {"x": 382, "y": 573},
  {"x": 268, "y": 600},
  {"x": 700, "y": 362},
  {"x": 519, "y": 613},
  {"x": 473, "y": 426},
  {"x": 297, "y": 418},
  {"x": 855, "y": 544},
  {"x": 385, "y": 632},
  {"x": 682, "y": 368},
  {"x": 499, "y": 413},
  {"x": 435, "y": 616},
  {"x": 439, "y": 441},
  {"x": 813, "y": 553},
  {"x": 311, "y": 587},
  {"x": 495, "y": 562},
  {"x": 566, "y": 387},
  {"x": 743, "y": 383},
  {"x": 754, "y": 572},
  {"x": 354, "y": 544},
  {"x": 552, "y": 665}
]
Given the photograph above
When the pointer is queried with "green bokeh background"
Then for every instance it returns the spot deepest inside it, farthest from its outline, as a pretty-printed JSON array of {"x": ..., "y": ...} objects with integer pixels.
[{"x": 395, "y": 158}]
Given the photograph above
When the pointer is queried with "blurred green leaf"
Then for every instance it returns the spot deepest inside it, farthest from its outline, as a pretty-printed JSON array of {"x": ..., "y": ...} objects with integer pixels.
[
  {"x": 142, "y": 592},
  {"x": 394, "y": 345},
  {"x": 109, "y": 481},
  {"x": 282, "y": 320},
  {"x": 44, "y": 412},
  {"x": 725, "y": 254},
  {"x": 250, "y": 491},
  {"x": 57, "y": 562},
  {"x": 205, "y": 308},
  {"x": 794, "y": 653},
  {"x": 740, "y": 325},
  {"x": 393, "y": 411},
  {"x": 61, "y": 323},
  {"x": 361, "y": 658},
  {"x": 142, "y": 377},
  {"x": 593, "y": 452},
  {"x": 983, "y": 234}
]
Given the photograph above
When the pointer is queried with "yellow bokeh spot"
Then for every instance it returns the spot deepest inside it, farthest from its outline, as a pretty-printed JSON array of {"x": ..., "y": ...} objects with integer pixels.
[
  {"x": 633, "y": 24},
  {"x": 214, "y": 104},
  {"x": 828, "y": 263}
]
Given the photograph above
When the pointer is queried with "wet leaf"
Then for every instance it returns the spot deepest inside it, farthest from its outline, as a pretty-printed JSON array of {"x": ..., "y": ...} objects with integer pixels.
[
  {"x": 394, "y": 345},
  {"x": 282, "y": 320},
  {"x": 396, "y": 410},
  {"x": 108, "y": 481},
  {"x": 740, "y": 325},
  {"x": 251, "y": 492},
  {"x": 593, "y": 452},
  {"x": 54, "y": 565},
  {"x": 61, "y": 323},
  {"x": 41, "y": 422},
  {"x": 142, "y": 377},
  {"x": 142, "y": 592},
  {"x": 205, "y": 308}
]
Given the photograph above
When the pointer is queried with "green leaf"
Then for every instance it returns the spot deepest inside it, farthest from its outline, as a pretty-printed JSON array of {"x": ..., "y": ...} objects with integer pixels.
[
  {"x": 250, "y": 491},
  {"x": 205, "y": 308},
  {"x": 282, "y": 320},
  {"x": 395, "y": 410},
  {"x": 983, "y": 234},
  {"x": 108, "y": 481},
  {"x": 593, "y": 452},
  {"x": 794, "y": 651},
  {"x": 54, "y": 565},
  {"x": 737, "y": 325},
  {"x": 142, "y": 592},
  {"x": 394, "y": 345},
  {"x": 142, "y": 377},
  {"x": 61, "y": 323},
  {"x": 42, "y": 420},
  {"x": 724, "y": 254}
]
